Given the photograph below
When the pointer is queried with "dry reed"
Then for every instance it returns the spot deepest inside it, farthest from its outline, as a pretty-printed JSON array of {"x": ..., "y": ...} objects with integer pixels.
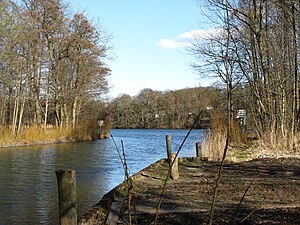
[
  {"x": 38, "y": 135},
  {"x": 216, "y": 138},
  {"x": 273, "y": 144}
]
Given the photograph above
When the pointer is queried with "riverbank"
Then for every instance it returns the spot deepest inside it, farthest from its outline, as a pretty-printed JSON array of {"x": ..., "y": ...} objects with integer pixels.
[
  {"x": 270, "y": 188},
  {"x": 40, "y": 136},
  {"x": 39, "y": 142}
]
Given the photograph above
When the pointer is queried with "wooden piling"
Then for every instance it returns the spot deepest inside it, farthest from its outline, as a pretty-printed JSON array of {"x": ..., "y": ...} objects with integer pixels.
[
  {"x": 169, "y": 147},
  {"x": 67, "y": 198},
  {"x": 198, "y": 149},
  {"x": 174, "y": 166}
]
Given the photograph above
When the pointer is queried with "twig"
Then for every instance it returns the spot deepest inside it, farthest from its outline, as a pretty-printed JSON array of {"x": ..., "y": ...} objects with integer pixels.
[
  {"x": 254, "y": 210},
  {"x": 128, "y": 183},
  {"x": 125, "y": 162},
  {"x": 217, "y": 182},
  {"x": 229, "y": 107},
  {"x": 250, "y": 214},
  {"x": 242, "y": 199},
  {"x": 119, "y": 153},
  {"x": 169, "y": 170},
  {"x": 126, "y": 176}
]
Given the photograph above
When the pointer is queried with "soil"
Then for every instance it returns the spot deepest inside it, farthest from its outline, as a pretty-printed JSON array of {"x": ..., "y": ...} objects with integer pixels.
[{"x": 261, "y": 191}]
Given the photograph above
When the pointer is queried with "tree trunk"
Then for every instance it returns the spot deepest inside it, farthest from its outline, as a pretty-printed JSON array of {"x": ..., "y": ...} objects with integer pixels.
[
  {"x": 66, "y": 115},
  {"x": 15, "y": 115},
  {"x": 295, "y": 79},
  {"x": 21, "y": 116},
  {"x": 74, "y": 112}
]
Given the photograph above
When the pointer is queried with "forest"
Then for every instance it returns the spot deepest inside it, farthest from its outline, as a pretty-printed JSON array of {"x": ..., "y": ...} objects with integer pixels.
[
  {"x": 256, "y": 51},
  {"x": 166, "y": 109},
  {"x": 53, "y": 70}
]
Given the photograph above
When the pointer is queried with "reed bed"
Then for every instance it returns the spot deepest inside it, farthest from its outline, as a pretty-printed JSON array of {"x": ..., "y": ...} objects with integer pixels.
[{"x": 39, "y": 135}]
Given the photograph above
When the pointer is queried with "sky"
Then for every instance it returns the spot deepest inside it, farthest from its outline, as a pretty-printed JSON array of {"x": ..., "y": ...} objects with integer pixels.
[{"x": 148, "y": 39}]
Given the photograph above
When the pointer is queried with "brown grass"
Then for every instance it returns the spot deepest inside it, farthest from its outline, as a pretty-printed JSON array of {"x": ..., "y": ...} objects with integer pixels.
[
  {"x": 38, "y": 135},
  {"x": 6, "y": 136},
  {"x": 216, "y": 139},
  {"x": 272, "y": 144},
  {"x": 215, "y": 143}
]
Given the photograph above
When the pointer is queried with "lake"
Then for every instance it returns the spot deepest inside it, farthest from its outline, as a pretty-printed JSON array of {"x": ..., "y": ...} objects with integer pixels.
[{"x": 28, "y": 187}]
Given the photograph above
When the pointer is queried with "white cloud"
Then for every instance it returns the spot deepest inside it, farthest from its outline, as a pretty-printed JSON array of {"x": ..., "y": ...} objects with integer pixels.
[
  {"x": 185, "y": 39},
  {"x": 171, "y": 44},
  {"x": 199, "y": 34}
]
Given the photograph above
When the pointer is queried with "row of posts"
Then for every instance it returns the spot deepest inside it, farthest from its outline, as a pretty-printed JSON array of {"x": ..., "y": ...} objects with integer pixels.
[
  {"x": 66, "y": 180},
  {"x": 201, "y": 152}
]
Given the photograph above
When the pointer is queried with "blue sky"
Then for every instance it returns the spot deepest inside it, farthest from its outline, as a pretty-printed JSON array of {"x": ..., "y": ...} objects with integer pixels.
[{"x": 148, "y": 37}]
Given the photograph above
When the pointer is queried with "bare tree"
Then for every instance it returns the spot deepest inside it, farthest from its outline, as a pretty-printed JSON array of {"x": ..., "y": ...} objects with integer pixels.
[
  {"x": 51, "y": 63},
  {"x": 263, "y": 53}
]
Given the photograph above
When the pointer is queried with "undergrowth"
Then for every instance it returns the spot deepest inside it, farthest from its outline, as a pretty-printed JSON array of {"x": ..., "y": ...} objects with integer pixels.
[
  {"x": 216, "y": 137},
  {"x": 245, "y": 145}
]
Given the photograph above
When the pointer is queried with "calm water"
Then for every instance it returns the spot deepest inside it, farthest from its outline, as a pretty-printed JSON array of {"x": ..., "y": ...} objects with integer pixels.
[{"x": 28, "y": 188}]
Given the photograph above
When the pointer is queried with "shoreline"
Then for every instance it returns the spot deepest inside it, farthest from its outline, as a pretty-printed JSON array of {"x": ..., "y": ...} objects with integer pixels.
[
  {"x": 19, "y": 144},
  {"x": 192, "y": 192},
  {"x": 71, "y": 140},
  {"x": 100, "y": 211},
  {"x": 33, "y": 136}
]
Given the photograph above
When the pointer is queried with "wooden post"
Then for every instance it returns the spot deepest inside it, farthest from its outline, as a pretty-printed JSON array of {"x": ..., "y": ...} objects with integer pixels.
[
  {"x": 169, "y": 148},
  {"x": 201, "y": 151},
  {"x": 198, "y": 149},
  {"x": 174, "y": 166},
  {"x": 67, "y": 198}
]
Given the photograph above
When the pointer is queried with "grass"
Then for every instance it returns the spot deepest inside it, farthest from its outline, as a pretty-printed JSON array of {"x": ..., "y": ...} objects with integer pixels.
[
  {"x": 270, "y": 145},
  {"x": 38, "y": 135},
  {"x": 214, "y": 144}
]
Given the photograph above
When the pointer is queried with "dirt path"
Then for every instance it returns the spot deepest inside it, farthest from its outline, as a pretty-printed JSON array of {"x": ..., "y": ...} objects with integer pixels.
[{"x": 273, "y": 193}]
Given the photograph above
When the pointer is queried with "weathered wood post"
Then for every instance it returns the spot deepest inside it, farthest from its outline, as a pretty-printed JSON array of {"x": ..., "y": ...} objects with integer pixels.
[
  {"x": 67, "y": 198},
  {"x": 169, "y": 148},
  {"x": 174, "y": 166},
  {"x": 173, "y": 163},
  {"x": 201, "y": 151},
  {"x": 198, "y": 149}
]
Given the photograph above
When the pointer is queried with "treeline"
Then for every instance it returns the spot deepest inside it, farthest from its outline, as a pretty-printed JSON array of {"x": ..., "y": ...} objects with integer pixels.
[
  {"x": 52, "y": 65},
  {"x": 165, "y": 109},
  {"x": 257, "y": 48}
]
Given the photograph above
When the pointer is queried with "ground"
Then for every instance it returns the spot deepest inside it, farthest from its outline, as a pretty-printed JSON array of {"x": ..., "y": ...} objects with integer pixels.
[{"x": 261, "y": 191}]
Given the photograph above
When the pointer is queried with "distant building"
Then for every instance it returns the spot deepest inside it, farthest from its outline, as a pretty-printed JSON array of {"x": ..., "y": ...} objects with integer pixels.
[{"x": 242, "y": 117}]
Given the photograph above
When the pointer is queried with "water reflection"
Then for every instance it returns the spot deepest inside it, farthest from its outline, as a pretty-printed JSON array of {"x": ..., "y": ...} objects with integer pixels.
[{"x": 28, "y": 189}]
